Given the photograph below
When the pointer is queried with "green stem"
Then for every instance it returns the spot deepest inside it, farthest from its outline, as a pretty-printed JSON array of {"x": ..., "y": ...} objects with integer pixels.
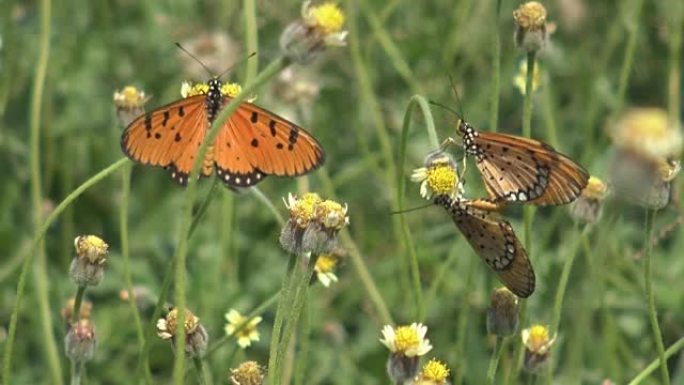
[
  {"x": 462, "y": 327},
  {"x": 677, "y": 346},
  {"x": 625, "y": 71},
  {"x": 496, "y": 72},
  {"x": 302, "y": 281},
  {"x": 419, "y": 101},
  {"x": 76, "y": 373},
  {"x": 527, "y": 106},
  {"x": 653, "y": 316},
  {"x": 186, "y": 212},
  {"x": 304, "y": 344},
  {"x": 125, "y": 254},
  {"x": 251, "y": 38},
  {"x": 267, "y": 202},
  {"x": 40, "y": 273},
  {"x": 494, "y": 361},
  {"x": 285, "y": 299},
  {"x": 199, "y": 368},
  {"x": 21, "y": 285},
  {"x": 78, "y": 300}
]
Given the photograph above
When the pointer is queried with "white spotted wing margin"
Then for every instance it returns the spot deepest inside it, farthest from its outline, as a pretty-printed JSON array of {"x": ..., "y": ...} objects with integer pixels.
[{"x": 492, "y": 238}]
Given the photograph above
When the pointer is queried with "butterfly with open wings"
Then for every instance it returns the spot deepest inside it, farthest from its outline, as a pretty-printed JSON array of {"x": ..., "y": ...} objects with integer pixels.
[{"x": 252, "y": 144}]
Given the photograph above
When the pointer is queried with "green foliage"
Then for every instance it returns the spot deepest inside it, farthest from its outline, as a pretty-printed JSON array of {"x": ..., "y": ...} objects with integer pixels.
[{"x": 396, "y": 49}]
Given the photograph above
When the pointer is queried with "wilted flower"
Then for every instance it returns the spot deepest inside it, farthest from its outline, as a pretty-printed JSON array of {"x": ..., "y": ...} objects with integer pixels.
[
  {"x": 129, "y": 103},
  {"x": 319, "y": 27},
  {"x": 502, "y": 315},
  {"x": 587, "y": 207},
  {"x": 537, "y": 347},
  {"x": 87, "y": 268},
  {"x": 530, "y": 31},
  {"x": 246, "y": 328},
  {"x": 406, "y": 345},
  {"x": 325, "y": 268},
  {"x": 433, "y": 373},
  {"x": 647, "y": 132},
  {"x": 80, "y": 341},
  {"x": 438, "y": 176},
  {"x": 520, "y": 79},
  {"x": 643, "y": 181},
  {"x": 196, "y": 337},
  {"x": 313, "y": 224},
  {"x": 68, "y": 310},
  {"x": 248, "y": 373}
]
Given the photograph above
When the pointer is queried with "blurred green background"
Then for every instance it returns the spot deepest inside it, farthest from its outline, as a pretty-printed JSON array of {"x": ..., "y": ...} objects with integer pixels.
[{"x": 353, "y": 99}]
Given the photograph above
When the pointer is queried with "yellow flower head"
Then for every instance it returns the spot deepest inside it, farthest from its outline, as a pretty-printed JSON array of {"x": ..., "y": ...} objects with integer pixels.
[
  {"x": 647, "y": 132},
  {"x": 248, "y": 373},
  {"x": 595, "y": 189},
  {"x": 331, "y": 215},
  {"x": 327, "y": 17},
  {"x": 189, "y": 89},
  {"x": 438, "y": 177},
  {"x": 92, "y": 248},
  {"x": 130, "y": 97},
  {"x": 530, "y": 16},
  {"x": 325, "y": 269},
  {"x": 408, "y": 340},
  {"x": 246, "y": 331},
  {"x": 231, "y": 89},
  {"x": 520, "y": 78},
  {"x": 166, "y": 327},
  {"x": 303, "y": 210},
  {"x": 536, "y": 339},
  {"x": 433, "y": 373}
]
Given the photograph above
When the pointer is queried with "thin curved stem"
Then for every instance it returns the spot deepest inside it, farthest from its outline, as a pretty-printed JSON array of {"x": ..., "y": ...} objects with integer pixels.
[
  {"x": 21, "y": 285},
  {"x": 496, "y": 71},
  {"x": 652, "y": 314},
  {"x": 494, "y": 361},
  {"x": 674, "y": 348}
]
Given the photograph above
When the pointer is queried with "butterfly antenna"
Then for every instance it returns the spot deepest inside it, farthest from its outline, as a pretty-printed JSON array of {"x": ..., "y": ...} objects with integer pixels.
[
  {"x": 458, "y": 98},
  {"x": 251, "y": 55},
  {"x": 411, "y": 209},
  {"x": 438, "y": 104},
  {"x": 194, "y": 57}
]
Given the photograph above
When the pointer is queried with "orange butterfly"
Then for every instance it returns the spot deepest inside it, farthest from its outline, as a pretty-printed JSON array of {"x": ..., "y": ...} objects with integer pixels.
[
  {"x": 517, "y": 169},
  {"x": 493, "y": 239},
  {"x": 252, "y": 144}
]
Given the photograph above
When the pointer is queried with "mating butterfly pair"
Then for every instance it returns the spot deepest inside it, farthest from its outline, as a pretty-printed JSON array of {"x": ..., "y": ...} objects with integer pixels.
[
  {"x": 514, "y": 169},
  {"x": 252, "y": 143}
]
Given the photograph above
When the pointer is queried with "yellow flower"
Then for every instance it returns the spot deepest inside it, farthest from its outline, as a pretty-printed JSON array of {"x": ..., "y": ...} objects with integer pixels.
[
  {"x": 231, "y": 89},
  {"x": 438, "y": 177},
  {"x": 328, "y": 17},
  {"x": 536, "y": 339},
  {"x": 248, "y": 373},
  {"x": 302, "y": 210},
  {"x": 595, "y": 189},
  {"x": 91, "y": 248},
  {"x": 647, "y": 132},
  {"x": 520, "y": 78},
  {"x": 588, "y": 206},
  {"x": 130, "y": 97},
  {"x": 166, "y": 327},
  {"x": 246, "y": 331},
  {"x": 189, "y": 89},
  {"x": 530, "y": 21},
  {"x": 433, "y": 373},
  {"x": 325, "y": 267},
  {"x": 331, "y": 215},
  {"x": 407, "y": 341}
]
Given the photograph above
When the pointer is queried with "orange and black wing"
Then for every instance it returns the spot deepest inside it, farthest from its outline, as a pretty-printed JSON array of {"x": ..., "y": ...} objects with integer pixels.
[
  {"x": 493, "y": 239},
  {"x": 255, "y": 143},
  {"x": 517, "y": 169},
  {"x": 168, "y": 137}
]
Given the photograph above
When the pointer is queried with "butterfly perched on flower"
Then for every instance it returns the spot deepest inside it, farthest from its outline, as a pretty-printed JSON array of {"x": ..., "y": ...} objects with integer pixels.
[
  {"x": 492, "y": 238},
  {"x": 517, "y": 169},
  {"x": 252, "y": 144}
]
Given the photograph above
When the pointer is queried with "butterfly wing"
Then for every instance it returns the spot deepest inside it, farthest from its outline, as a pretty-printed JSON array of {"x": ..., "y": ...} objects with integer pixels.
[
  {"x": 493, "y": 239},
  {"x": 255, "y": 143},
  {"x": 517, "y": 169},
  {"x": 168, "y": 137}
]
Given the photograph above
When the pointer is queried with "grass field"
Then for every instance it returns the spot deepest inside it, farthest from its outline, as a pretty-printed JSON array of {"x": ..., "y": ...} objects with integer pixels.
[{"x": 614, "y": 303}]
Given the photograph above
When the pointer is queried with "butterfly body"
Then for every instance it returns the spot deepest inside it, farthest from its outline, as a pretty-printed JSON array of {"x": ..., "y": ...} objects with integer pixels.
[
  {"x": 252, "y": 144},
  {"x": 493, "y": 239},
  {"x": 517, "y": 169}
]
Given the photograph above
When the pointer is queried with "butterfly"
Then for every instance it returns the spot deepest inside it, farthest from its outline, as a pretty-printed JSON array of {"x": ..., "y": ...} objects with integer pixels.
[
  {"x": 252, "y": 143},
  {"x": 517, "y": 169},
  {"x": 492, "y": 238}
]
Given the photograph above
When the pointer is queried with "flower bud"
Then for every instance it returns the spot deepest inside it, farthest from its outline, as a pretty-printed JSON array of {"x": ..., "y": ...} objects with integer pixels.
[
  {"x": 80, "y": 341},
  {"x": 502, "y": 315},
  {"x": 87, "y": 268}
]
